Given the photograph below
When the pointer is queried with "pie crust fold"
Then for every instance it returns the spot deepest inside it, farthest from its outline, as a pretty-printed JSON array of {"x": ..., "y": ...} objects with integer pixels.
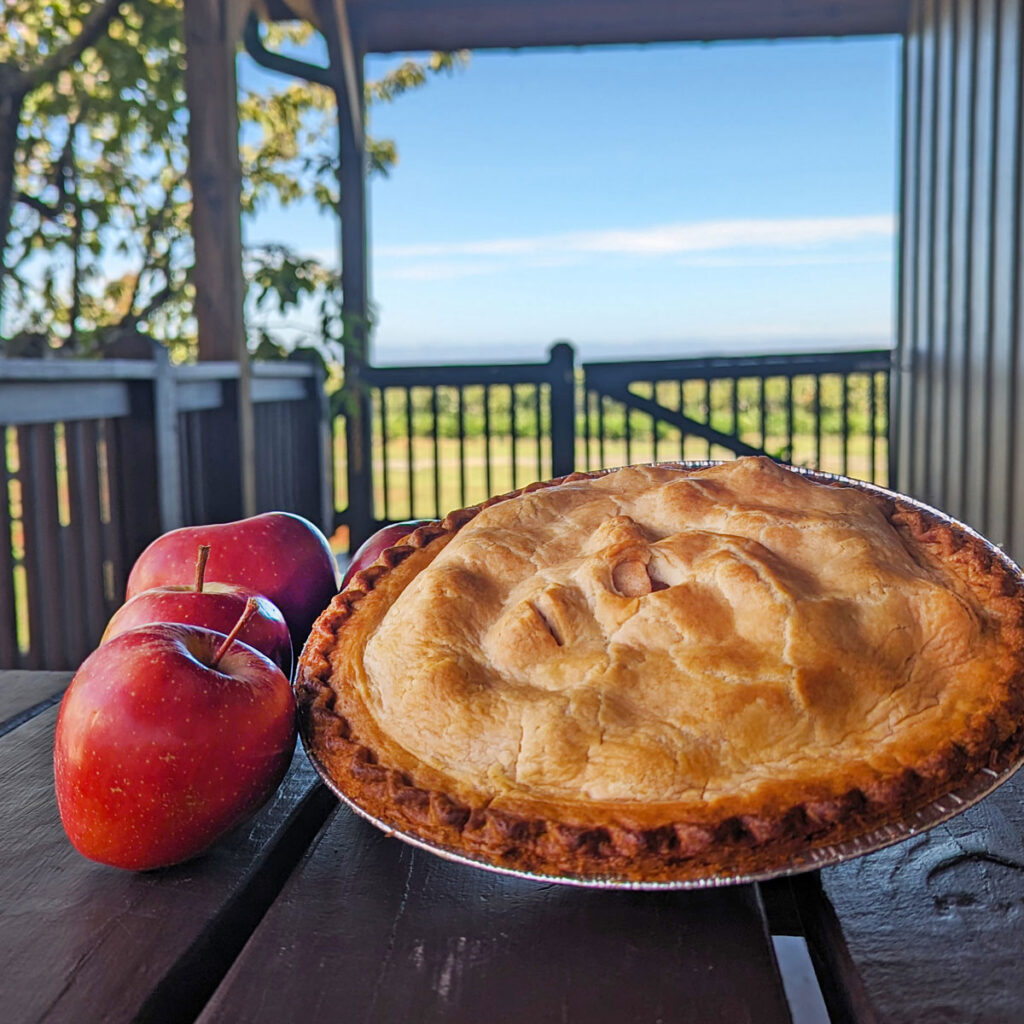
[{"x": 664, "y": 672}]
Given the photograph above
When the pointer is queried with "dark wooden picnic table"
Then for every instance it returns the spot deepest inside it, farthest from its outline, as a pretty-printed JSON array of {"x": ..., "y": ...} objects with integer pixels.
[{"x": 307, "y": 913}]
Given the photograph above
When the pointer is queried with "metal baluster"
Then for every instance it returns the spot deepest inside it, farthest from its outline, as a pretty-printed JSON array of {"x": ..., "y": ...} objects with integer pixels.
[
  {"x": 873, "y": 423},
  {"x": 386, "y": 495},
  {"x": 588, "y": 397},
  {"x": 817, "y": 421},
  {"x": 846, "y": 424},
  {"x": 540, "y": 432},
  {"x": 654, "y": 423},
  {"x": 437, "y": 452},
  {"x": 487, "y": 440},
  {"x": 515, "y": 439},
  {"x": 410, "y": 472},
  {"x": 764, "y": 412},
  {"x": 628, "y": 425},
  {"x": 682, "y": 412},
  {"x": 461, "y": 394},
  {"x": 790, "y": 425},
  {"x": 707, "y": 410},
  {"x": 736, "y": 407}
]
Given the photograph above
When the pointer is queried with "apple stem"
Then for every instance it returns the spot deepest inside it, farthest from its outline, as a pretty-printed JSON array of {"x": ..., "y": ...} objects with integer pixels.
[
  {"x": 247, "y": 613},
  {"x": 201, "y": 557}
]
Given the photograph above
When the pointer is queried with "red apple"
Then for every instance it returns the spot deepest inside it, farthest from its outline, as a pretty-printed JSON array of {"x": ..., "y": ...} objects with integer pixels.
[
  {"x": 216, "y": 606},
  {"x": 168, "y": 737},
  {"x": 367, "y": 552},
  {"x": 277, "y": 554}
]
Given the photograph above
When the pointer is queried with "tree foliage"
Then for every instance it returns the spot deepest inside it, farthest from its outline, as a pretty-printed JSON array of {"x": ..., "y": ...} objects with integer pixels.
[{"x": 95, "y": 238}]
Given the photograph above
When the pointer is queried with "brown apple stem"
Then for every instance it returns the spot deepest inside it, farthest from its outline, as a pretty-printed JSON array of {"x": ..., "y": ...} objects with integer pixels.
[
  {"x": 201, "y": 557},
  {"x": 247, "y": 613}
]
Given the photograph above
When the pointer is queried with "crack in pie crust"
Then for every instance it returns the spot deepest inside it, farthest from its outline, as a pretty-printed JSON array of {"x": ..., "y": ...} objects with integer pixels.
[{"x": 661, "y": 673}]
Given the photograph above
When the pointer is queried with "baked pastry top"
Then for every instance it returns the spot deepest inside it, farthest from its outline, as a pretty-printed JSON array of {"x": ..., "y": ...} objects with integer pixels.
[{"x": 660, "y": 671}]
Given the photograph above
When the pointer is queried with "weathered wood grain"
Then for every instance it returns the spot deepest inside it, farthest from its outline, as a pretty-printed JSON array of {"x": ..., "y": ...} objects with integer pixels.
[
  {"x": 84, "y": 942},
  {"x": 369, "y": 929},
  {"x": 935, "y": 925},
  {"x": 24, "y": 692}
]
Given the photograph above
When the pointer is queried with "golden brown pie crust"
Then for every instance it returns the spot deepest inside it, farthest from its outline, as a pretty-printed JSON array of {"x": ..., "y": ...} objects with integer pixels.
[{"x": 664, "y": 673}]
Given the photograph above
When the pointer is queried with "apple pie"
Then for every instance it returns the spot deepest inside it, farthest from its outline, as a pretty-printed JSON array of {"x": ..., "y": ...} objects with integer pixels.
[{"x": 667, "y": 672}]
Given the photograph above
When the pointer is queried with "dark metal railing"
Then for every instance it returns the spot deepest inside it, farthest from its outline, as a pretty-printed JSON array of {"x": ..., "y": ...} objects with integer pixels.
[
  {"x": 449, "y": 436},
  {"x": 824, "y": 411},
  {"x": 444, "y": 437}
]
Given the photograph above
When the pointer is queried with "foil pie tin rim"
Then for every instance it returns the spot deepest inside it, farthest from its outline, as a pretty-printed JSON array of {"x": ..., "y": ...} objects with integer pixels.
[{"x": 940, "y": 810}]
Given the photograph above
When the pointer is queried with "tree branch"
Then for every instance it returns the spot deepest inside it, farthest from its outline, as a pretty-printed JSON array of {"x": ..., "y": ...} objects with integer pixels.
[
  {"x": 44, "y": 209},
  {"x": 94, "y": 25},
  {"x": 159, "y": 299}
]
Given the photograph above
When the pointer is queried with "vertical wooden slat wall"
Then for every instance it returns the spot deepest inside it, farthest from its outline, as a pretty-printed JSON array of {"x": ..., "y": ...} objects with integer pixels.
[{"x": 959, "y": 443}]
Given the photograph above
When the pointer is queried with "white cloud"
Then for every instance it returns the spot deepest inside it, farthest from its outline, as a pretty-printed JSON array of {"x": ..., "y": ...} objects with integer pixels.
[
  {"x": 666, "y": 239},
  {"x": 817, "y": 259},
  {"x": 438, "y": 270}
]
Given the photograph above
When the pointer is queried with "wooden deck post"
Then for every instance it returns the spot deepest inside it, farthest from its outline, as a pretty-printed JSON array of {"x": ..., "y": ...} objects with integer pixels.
[
  {"x": 212, "y": 29},
  {"x": 346, "y": 61},
  {"x": 563, "y": 408}
]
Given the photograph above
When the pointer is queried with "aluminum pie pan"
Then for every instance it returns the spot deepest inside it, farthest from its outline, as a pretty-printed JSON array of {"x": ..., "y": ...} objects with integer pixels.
[{"x": 811, "y": 857}]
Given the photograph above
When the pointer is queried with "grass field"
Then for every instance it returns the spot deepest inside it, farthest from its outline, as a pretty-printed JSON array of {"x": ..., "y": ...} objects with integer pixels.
[
  {"x": 449, "y": 474},
  {"x": 447, "y": 447}
]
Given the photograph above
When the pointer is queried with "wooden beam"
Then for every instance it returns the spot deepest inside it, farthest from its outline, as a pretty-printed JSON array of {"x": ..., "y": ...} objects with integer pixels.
[
  {"x": 215, "y": 174},
  {"x": 346, "y": 64},
  {"x": 389, "y": 26},
  {"x": 351, "y": 67},
  {"x": 236, "y": 16}
]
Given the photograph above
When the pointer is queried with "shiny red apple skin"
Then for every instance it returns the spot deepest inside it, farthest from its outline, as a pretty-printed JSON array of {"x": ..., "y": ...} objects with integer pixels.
[
  {"x": 217, "y": 606},
  {"x": 386, "y": 537},
  {"x": 157, "y": 755},
  {"x": 277, "y": 554}
]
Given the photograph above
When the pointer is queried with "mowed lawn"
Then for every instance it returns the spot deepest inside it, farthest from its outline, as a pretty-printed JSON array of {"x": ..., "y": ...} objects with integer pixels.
[{"x": 448, "y": 473}]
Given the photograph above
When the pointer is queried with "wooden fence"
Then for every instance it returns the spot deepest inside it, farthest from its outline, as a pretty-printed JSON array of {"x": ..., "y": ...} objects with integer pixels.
[{"x": 101, "y": 457}]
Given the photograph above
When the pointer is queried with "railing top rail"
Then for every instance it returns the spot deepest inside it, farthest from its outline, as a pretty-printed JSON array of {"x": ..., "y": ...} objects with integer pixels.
[
  {"x": 76, "y": 369},
  {"x": 141, "y": 369},
  {"x": 860, "y": 361},
  {"x": 227, "y": 370},
  {"x": 455, "y": 376},
  {"x": 279, "y": 369}
]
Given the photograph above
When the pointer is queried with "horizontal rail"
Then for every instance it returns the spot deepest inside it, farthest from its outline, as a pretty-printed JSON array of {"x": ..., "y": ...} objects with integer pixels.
[
  {"x": 56, "y": 391},
  {"x": 25, "y": 401},
  {"x": 602, "y": 374},
  {"x": 466, "y": 375},
  {"x": 76, "y": 370}
]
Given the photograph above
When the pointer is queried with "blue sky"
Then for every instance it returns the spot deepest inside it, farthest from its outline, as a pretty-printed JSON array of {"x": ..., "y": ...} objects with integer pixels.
[{"x": 661, "y": 200}]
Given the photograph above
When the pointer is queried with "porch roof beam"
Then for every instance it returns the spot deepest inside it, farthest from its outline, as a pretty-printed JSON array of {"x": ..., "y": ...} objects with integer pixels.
[
  {"x": 351, "y": 69},
  {"x": 390, "y": 26}
]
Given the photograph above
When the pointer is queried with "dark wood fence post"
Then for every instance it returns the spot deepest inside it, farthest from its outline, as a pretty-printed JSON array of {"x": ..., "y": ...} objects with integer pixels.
[
  {"x": 168, "y": 448},
  {"x": 562, "y": 360},
  {"x": 133, "y": 479},
  {"x": 218, "y": 475},
  {"x": 317, "y": 437}
]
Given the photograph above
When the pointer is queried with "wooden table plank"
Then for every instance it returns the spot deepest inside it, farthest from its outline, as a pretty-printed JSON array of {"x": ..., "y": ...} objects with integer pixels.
[
  {"x": 23, "y": 693},
  {"x": 87, "y": 942},
  {"x": 935, "y": 925},
  {"x": 370, "y": 929}
]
